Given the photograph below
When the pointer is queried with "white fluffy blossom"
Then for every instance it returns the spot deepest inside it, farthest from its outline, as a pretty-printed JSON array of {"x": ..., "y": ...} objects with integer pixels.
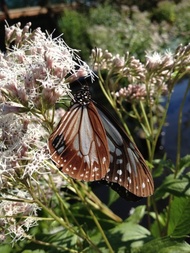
[{"x": 34, "y": 75}]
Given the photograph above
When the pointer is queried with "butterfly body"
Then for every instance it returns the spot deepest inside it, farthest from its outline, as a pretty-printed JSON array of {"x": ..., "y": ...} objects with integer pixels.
[{"x": 88, "y": 144}]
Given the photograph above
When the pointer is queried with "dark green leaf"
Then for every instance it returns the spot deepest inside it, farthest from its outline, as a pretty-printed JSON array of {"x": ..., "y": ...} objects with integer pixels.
[
  {"x": 130, "y": 231},
  {"x": 185, "y": 162},
  {"x": 179, "y": 223},
  {"x": 164, "y": 245},
  {"x": 175, "y": 186},
  {"x": 161, "y": 165}
]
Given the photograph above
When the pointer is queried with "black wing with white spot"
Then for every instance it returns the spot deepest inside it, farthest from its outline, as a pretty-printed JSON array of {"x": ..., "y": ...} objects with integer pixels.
[{"x": 128, "y": 171}]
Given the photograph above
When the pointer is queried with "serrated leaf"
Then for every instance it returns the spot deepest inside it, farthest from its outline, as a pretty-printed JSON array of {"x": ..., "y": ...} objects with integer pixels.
[
  {"x": 179, "y": 223},
  {"x": 164, "y": 245},
  {"x": 123, "y": 235},
  {"x": 179, "y": 248},
  {"x": 130, "y": 231}
]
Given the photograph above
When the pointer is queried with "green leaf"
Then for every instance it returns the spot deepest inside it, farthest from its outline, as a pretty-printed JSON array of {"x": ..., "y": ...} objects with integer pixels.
[
  {"x": 125, "y": 234},
  {"x": 137, "y": 214},
  {"x": 6, "y": 248},
  {"x": 161, "y": 165},
  {"x": 178, "y": 248},
  {"x": 176, "y": 186},
  {"x": 113, "y": 196},
  {"x": 129, "y": 231},
  {"x": 185, "y": 162},
  {"x": 156, "y": 227},
  {"x": 179, "y": 223},
  {"x": 163, "y": 245}
]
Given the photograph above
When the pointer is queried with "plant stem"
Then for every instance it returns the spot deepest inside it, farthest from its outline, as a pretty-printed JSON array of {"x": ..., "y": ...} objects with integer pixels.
[
  {"x": 178, "y": 154},
  {"x": 94, "y": 218},
  {"x": 66, "y": 225},
  {"x": 52, "y": 245}
]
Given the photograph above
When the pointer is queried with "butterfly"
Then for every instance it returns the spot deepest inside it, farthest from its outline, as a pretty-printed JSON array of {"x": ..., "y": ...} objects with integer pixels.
[{"x": 88, "y": 144}]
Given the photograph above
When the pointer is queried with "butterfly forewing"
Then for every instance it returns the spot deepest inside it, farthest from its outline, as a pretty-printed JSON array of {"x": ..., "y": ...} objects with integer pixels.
[
  {"x": 79, "y": 144},
  {"x": 127, "y": 167}
]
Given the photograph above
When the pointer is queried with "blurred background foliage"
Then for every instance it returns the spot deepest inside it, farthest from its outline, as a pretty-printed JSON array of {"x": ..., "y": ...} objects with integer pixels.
[{"x": 118, "y": 26}]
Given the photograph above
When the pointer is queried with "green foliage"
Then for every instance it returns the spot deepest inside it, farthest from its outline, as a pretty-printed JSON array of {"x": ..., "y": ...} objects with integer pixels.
[
  {"x": 164, "y": 245},
  {"x": 179, "y": 224},
  {"x": 74, "y": 26},
  {"x": 126, "y": 34},
  {"x": 125, "y": 29},
  {"x": 166, "y": 10},
  {"x": 182, "y": 21},
  {"x": 101, "y": 16},
  {"x": 177, "y": 186}
]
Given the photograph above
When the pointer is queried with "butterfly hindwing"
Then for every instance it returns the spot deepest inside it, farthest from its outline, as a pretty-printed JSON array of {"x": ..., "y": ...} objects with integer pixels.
[{"x": 127, "y": 167}]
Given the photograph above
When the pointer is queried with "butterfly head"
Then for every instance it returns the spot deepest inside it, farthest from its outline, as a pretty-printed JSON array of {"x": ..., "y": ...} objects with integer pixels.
[{"x": 82, "y": 96}]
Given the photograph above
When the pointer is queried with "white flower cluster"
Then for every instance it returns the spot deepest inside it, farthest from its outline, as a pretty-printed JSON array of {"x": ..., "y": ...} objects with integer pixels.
[
  {"x": 34, "y": 74},
  {"x": 38, "y": 67},
  {"x": 136, "y": 81},
  {"x": 16, "y": 203}
]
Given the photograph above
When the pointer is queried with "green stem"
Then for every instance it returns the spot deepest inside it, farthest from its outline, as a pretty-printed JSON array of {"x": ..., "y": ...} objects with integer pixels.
[
  {"x": 108, "y": 96},
  {"x": 94, "y": 218},
  {"x": 147, "y": 127},
  {"x": 156, "y": 213},
  {"x": 57, "y": 247},
  {"x": 147, "y": 123},
  {"x": 62, "y": 204},
  {"x": 178, "y": 155},
  {"x": 58, "y": 219}
]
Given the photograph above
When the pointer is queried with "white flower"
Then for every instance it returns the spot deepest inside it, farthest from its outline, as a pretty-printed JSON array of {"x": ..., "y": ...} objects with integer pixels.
[
  {"x": 154, "y": 58},
  {"x": 37, "y": 62},
  {"x": 34, "y": 74},
  {"x": 159, "y": 61},
  {"x": 17, "y": 203},
  {"x": 23, "y": 148}
]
